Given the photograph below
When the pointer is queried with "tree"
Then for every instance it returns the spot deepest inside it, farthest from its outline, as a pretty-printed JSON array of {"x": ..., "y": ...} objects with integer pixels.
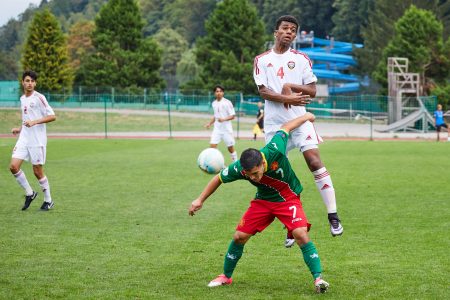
[
  {"x": 8, "y": 67},
  {"x": 187, "y": 68},
  {"x": 350, "y": 18},
  {"x": 45, "y": 52},
  {"x": 380, "y": 29},
  {"x": 80, "y": 43},
  {"x": 173, "y": 45},
  {"x": 317, "y": 16},
  {"x": 235, "y": 35},
  {"x": 153, "y": 12},
  {"x": 123, "y": 58},
  {"x": 418, "y": 35},
  {"x": 273, "y": 9},
  {"x": 188, "y": 17}
]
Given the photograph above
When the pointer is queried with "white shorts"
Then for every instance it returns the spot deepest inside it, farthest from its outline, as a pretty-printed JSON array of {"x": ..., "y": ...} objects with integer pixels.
[
  {"x": 35, "y": 155},
  {"x": 304, "y": 137},
  {"x": 226, "y": 136}
]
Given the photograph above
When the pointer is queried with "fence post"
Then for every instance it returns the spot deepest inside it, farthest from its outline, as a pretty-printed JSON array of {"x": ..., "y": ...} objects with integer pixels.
[
  {"x": 106, "y": 119},
  {"x": 145, "y": 98},
  {"x": 112, "y": 97},
  {"x": 79, "y": 95},
  {"x": 168, "y": 110},
  {"x": 371, "y": 127}
]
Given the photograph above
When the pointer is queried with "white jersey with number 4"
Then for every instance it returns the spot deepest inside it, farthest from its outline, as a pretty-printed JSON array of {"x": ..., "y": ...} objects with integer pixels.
[
  {"x": 274, "y": 70},
  {"x": 34, "y": 107}
]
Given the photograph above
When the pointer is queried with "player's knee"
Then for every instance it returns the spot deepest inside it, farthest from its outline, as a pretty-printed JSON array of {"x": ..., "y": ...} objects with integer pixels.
[
  {"x": 301, "y": 235},
  {"x": 315, "y": 164},
  {"x": 241, "y": 237},
  {"x": 14, "y": 168}
]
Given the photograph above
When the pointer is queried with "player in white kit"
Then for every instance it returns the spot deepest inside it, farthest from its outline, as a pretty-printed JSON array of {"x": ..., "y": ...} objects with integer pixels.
[
  {"x": 32, "y": 143},
  {"x": 286, "y": 81},
  {"x": 223, "y": 129}
]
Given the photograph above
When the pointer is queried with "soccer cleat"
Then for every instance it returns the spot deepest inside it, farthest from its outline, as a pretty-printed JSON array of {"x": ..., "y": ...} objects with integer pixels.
[
  {"x": 47, "y": 205},
  {"x": 220, "y": 280},
  {"x": 335, "y": 225},
  {"x": 28, "y": 200},
  {"x": 289, "y": 242},
  {"x": 321, "y": 285}
]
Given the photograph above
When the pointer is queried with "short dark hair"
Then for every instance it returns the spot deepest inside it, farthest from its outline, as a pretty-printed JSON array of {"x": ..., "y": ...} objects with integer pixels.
[
  {"x": 250, "y": 158},
  {"x": 30, "y": 73},
  {"x": 286, "y": 18},
  {"x": 218, "y": 86}
]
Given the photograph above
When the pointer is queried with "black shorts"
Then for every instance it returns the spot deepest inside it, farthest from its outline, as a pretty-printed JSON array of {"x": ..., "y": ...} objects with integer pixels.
[{"x": 438, "y": 127}]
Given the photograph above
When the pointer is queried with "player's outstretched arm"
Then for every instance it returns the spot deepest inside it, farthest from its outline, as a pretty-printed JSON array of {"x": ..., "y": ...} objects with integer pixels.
[
  {"x": 297, "y": 122},
  {"x": 209, "y": 189},
  {"x": 289, "y": 98}
]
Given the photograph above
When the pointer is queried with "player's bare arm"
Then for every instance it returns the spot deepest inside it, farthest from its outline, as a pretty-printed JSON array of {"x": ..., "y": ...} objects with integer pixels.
[
  {"x": 16, "y": 130},
  {"x": 292, "y": 99},
  {"x": 210, "y": 188},
  {"x": 229, "y": 118},
  {"x": 207, "y": 125},
  {"x": 305, "y": 89},
  {"x": 43, "y": 120},
  {"x": 297, "y": 122}
]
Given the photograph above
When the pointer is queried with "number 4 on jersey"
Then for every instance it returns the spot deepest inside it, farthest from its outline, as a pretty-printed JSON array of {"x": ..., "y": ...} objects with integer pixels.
[{"x": 280, "y": 72}]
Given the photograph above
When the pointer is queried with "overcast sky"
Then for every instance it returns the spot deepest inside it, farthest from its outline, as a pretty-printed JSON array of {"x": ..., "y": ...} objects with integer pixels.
[{"x": 10, "y": 9}]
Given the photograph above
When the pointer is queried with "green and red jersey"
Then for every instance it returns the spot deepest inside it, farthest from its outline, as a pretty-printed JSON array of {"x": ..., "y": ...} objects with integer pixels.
[{"x": 279, "y": 182}]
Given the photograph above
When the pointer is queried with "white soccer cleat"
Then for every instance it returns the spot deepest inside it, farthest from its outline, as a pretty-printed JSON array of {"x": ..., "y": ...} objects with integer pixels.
[
  {"x": 321, "y": 285},
  {"x": 288, "y": 243},
  {"x": 220, "y": 280},
  {"x": 335, "y": 226}
]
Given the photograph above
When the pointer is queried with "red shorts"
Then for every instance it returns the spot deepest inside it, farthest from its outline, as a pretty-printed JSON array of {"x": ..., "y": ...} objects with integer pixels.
[{"x": 261, "y": 213}]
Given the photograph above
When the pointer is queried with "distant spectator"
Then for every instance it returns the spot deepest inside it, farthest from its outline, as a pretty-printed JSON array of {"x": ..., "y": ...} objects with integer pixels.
[
  {"x": 440, "y": 123},
  {"x": 259, "y": 126}
]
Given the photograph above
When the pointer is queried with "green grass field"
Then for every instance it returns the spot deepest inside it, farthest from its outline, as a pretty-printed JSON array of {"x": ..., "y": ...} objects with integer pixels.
[{"x": 120, "y": 227}]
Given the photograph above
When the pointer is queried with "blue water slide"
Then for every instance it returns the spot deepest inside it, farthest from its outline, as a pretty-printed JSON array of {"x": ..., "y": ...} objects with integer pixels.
[
  {"x": 335, "y": 75},
  {"x": 336, "y": 44},
  {"x": 331, "y": 57},
  {"x": 344, "y": 88}
]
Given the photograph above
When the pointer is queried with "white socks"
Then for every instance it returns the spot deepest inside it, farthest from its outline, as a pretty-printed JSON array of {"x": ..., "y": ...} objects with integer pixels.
[
  {"x": 43, "y": 182},
  {"x": 23, "y": 182},
  {"x": 234, "y": 156},
  {"x": 325, "y": 187}
]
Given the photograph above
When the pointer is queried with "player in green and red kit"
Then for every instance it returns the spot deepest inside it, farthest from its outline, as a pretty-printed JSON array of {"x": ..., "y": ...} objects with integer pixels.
[{"x": 277, "y": 196}]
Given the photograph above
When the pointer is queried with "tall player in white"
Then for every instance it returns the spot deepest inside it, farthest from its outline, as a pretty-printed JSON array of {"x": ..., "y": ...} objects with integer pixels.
[
  {"x": 286, "y": 81},
  {"x": 32, "y": 143},
  {"x": 223, "y": 129}
]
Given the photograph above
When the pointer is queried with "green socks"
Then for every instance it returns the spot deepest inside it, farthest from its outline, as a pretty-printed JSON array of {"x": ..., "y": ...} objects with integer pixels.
[
  {"x": 312, "y": 259},
  {"x": 232, "y": 257}
]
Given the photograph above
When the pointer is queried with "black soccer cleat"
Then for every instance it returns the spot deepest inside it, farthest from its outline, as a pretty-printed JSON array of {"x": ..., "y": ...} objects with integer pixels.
[
  {"x": 335, "y": 225},
  {"x": 47, "y": 205},
  {"x": 28, "y": 200}
]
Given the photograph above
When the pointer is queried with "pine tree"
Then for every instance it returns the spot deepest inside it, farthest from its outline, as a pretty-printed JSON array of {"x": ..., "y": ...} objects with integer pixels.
[
  {"x": 418, "y": 36},
  {"x": 45, "y": 52},
  {"x": 235, "y": 35},
  {"x": 123, "y": 58}
]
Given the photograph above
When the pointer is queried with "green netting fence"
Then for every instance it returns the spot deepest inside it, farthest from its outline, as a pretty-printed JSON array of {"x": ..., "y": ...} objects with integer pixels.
[{"x": 107, "y": 111}]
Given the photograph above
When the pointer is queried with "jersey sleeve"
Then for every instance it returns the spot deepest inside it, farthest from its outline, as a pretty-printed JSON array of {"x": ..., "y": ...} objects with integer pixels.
[
  {"x": 231, "y": 111},
  {"x": 278, "y": 143},
  {"x": 45, "y": 107},
  {"x": 231, "y": 173},
  {"x": 259, "y": 73},
  {"x": 308, "y": 74}
]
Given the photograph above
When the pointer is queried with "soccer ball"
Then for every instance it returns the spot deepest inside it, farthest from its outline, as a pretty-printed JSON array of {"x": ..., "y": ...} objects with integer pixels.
[{"x": 211, "y": 161}]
